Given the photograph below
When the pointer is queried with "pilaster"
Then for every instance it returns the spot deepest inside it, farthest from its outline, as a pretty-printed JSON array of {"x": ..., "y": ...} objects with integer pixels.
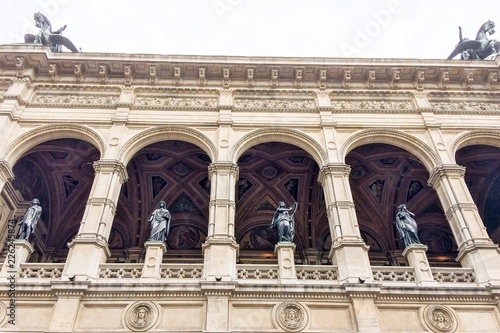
[
  {"x": 220, "y": 249},
  {"x": 90, "y": 246},
  {"x": 217, "y": 294},
  {"x": 349, "y": 252},
  {"x": 476, "y": 250},
  {"x": 66, "y": 309}
]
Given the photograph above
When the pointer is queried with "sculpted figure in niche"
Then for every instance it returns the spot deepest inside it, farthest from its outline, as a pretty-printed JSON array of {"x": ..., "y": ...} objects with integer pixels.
[
  {"x": 406, "y": 226},
  {"x": 160, "y": 223},
  {"x": 284, "y": 221},
  {"x": 30, "y": 219}
]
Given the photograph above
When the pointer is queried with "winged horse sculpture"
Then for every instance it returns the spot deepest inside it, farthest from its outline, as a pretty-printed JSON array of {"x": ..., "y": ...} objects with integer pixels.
[
  {"x": 46, "y": 36},
  {"x": 480, "y": 48}
]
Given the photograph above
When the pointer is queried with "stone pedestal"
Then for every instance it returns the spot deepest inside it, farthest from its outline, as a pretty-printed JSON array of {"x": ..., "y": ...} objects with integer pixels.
[
  {"x": 220, "y": 259},
  {"x": 353, "y": 264},
  {"x": 84, "y": 257},
  {"x": 415, "y": 254},
  {"x": 286, "y": 261},
  {"x": 23, "y": 250},
  {"x": 153, "y": 259}
]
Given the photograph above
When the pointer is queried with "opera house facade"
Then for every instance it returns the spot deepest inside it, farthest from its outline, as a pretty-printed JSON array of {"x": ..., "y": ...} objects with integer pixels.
[{"x": 101, "y": 139}]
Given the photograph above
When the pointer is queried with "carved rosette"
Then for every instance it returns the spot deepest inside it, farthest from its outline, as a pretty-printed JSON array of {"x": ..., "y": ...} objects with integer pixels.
[
  {"x": 141, "y": 316},
  {"x": 440, "y": 319},
  {"x": 291, "y": 317}
]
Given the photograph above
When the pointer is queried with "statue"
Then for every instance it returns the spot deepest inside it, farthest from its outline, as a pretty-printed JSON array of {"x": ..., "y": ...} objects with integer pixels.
[
  {"x": 29, "y": 220},
  {"x": 406, "y": 226},
  {"x": 481, "y": 47},
  {"x": 284, "y": 221},
  {"x": 46, "y": 36},
  {"x": 160, "y": 223}
]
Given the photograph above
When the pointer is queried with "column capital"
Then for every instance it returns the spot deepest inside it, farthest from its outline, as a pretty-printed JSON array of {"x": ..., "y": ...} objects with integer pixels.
[
  {"x": 339, "y": 169},
  {"x": 112, "y": 165},
  {"x": 445, "y": 170},
  {"x": 227, "y": 167}
]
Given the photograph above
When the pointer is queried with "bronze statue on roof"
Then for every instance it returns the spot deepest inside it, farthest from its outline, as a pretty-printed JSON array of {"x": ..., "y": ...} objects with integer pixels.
[
  {"x": 46, "y": 36},
  {"x": 480, "y": 48}
]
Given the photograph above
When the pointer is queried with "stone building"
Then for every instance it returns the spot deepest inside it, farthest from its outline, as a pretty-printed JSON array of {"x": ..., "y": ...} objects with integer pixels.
[{"x": 101, "y": 139}]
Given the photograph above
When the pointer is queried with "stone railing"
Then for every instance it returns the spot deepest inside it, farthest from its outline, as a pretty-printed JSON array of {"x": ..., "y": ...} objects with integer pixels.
[
  {"x": 453, "y": 275},
  {"x": 120, "y": 271},
  {"x": 313, "y": 272},
  {"x": 257, "y": 272},
  {"x": 393, "y": 274},
  {"x": 181, "y": 271},
  {"x": 41, "y": 271}
]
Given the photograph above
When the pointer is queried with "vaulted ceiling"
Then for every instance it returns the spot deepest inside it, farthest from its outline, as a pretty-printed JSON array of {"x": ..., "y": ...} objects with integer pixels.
[{"x": 60, "y": 174}]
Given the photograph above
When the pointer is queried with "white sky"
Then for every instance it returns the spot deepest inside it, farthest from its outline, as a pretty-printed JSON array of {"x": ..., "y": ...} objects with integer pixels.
[{"x": 423, "y": 29}]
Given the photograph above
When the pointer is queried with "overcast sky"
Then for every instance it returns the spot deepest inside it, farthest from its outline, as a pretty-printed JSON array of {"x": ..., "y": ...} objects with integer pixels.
[{"x": 423, "y": 29}]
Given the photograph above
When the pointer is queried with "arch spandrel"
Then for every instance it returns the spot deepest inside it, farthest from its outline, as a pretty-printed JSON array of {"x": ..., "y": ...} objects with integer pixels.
[
  {"x": 44, "y": 133},
  {"x": 165, "y": 133},
  {"x": 428, "y": 157},
  {"x": 290, "y": 136},
  {"x": 479, "y": 137}
]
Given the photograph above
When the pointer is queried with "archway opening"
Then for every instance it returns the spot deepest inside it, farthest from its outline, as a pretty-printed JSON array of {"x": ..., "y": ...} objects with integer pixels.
[
  {"x": 383, "y": 177},
  {"x": 269, "y": 173}
]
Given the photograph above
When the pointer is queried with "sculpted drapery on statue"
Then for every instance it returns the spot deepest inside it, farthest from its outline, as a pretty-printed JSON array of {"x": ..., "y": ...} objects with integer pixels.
[
  {"x": 46, "y": 36},
  {"x": 406, "y": 226},
  {"x": 30, "y": 219},
  {"x": 480, "y": 48},
  {"x": 160, "y": 223},
  {"x": 284, "y": 221}
]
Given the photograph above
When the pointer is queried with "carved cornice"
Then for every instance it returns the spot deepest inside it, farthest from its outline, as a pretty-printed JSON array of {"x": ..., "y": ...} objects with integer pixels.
[
  {"x": 339, "y": 169},
  {"x": 113, "y": 166}
]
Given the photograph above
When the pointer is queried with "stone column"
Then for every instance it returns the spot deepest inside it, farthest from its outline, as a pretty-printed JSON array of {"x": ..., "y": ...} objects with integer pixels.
[
  {"x": 23, "y": 250},
  {"x": 5, "y": 173},
  {"x": 286, "y": 262},
  {"x": 476, "y": 249},
  {"x": 220, "y": 249},
  {"x": 90, "y": 246},
  {"x": 349, "y": 252},
  {"x": 415, "y": 254},
  {"x": 153, "y": 259}
]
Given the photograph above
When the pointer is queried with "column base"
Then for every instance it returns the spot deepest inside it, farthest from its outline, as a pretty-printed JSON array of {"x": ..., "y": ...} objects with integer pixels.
[
  {"x": 417, "y": 258},
  {"x": 286, "y": 261},
  {"x": 153, "y": 259},
  {"x": 484, "y": 259},
  {"x": 23, "y": 250},
  {"x": 220, "y": 259},
  {"x": 84, "y": 257},
  {"x": 353, "y": 264}
]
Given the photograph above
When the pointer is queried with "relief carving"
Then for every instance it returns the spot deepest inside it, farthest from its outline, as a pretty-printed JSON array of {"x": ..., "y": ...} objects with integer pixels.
[
  {"x": 141, "y": 316},
  {"x": 440, "y": 319},
  {"x": 249, "y": 103},
  {"x": 175, "y": 102},
  {"x": 371, "y": 105},
  {"x": 74, "y": 99},
  {"x": 466, "y": 106},
  {"x": 291, "y": 317}
]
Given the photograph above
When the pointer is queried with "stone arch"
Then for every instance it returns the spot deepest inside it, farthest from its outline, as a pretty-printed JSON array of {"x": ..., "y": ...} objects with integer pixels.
[
  {"x": 429, "y": 158},
  {"x": 44, "y": 133},
  {"x": 163, "y": 133},
  {"x": 479, "y": 137},
  {"x": 290, "y": 136}
]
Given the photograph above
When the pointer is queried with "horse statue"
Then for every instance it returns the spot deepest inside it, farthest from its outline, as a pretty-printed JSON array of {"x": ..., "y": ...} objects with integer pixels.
[
  {"x": 480, "y": 48},
  {"x": 46, "y": 36}
]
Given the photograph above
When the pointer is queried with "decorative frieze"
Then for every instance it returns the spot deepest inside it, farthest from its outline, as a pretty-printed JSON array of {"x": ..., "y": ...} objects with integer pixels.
[
  {"x": 371, "y": 104},
  {"x": 144, "y": 102},
  {"x": 257, "y": 103},
  {"x": 74, "y": 100},
  {"x": 465, "y": 106}
]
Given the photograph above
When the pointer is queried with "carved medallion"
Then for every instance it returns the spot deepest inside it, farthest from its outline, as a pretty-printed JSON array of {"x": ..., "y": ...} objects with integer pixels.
[
  {"x": 141, "y": 316},
  {"x": 291, "y": 317},
  {"x": 440, "y": 319}
]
